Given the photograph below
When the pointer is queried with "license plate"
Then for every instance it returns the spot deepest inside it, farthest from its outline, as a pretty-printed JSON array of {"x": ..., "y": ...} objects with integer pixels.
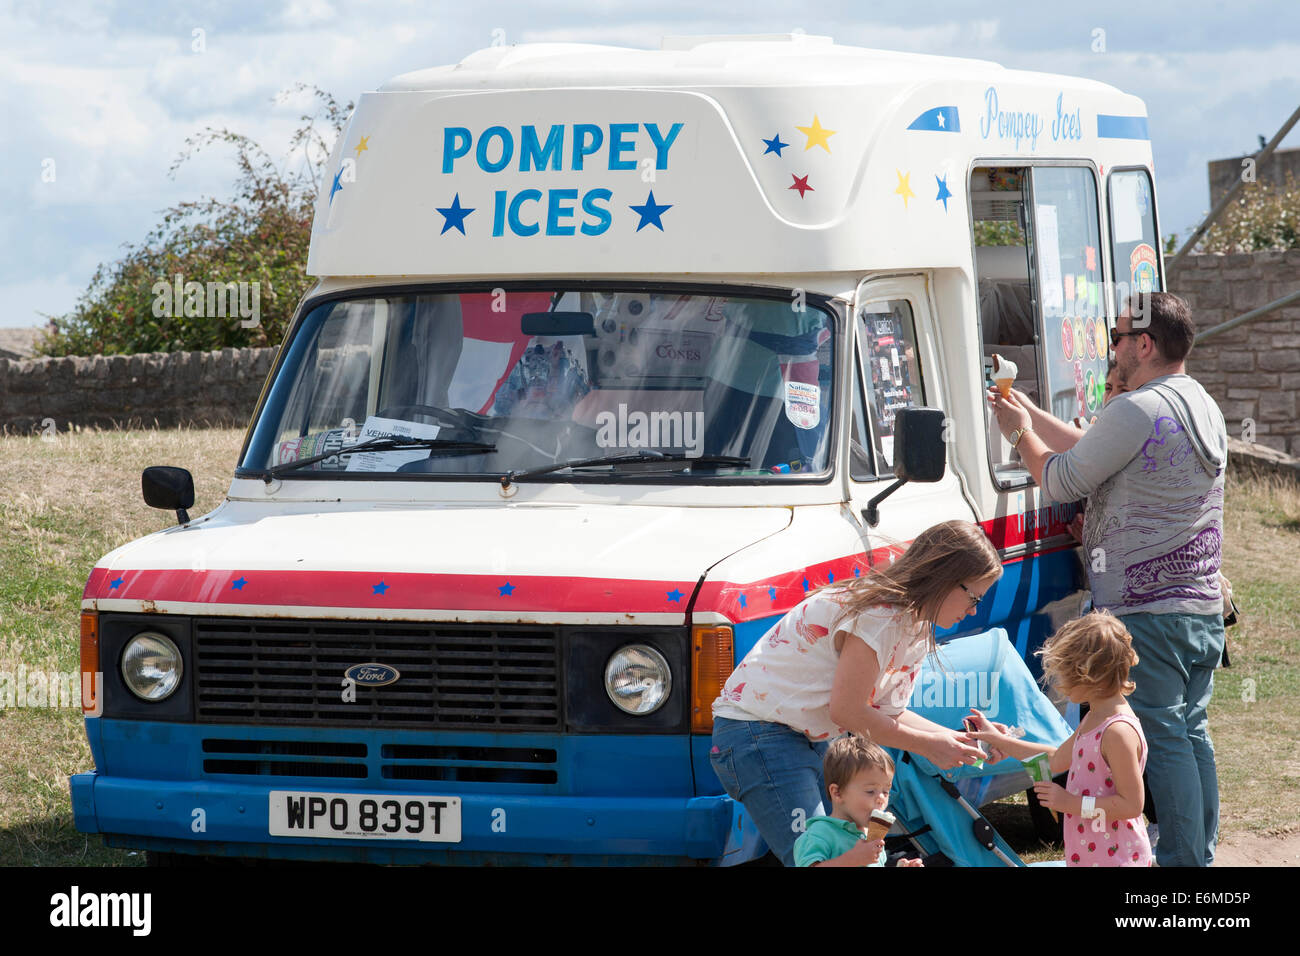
[{"x": 353, "y": 816}]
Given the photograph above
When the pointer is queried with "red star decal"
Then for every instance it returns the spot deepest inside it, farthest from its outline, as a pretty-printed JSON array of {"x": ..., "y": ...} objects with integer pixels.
[{"x": 801, "y": 184}]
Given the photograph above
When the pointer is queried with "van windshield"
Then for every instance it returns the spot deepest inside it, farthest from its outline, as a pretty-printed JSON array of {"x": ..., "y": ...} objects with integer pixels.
[{"x": 541, "y": 376}]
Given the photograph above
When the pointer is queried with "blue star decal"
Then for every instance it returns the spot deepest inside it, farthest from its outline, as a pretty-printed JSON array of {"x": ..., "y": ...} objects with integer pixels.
[
  {"x": 743, "y": 602},
  {"x": 774, "y": 145},
  {"x": 116, "y": 582},
  {"x": 454, "y": 215},
  {"x": 857, "y": 572},
  {"x": 337, "y": 185},
  {"x": 771, "y": 593},
  {"x": 238, "y": 584},
  {"x": 806, "y": 585},
  {"x": 506, "y": 589},
  {"x": 381, "y": 587},
  {"x": 830, "y": 576},
  {"x": 944, "y": 194},
  {"x": 650, "y": 213},
  {"x": 674, "y": 595}
]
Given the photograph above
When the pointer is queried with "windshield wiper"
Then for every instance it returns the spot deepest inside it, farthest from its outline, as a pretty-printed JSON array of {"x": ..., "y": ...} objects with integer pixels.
[
  {"x": 438, "y": 446},
  {"x": 644, "y": 457}
]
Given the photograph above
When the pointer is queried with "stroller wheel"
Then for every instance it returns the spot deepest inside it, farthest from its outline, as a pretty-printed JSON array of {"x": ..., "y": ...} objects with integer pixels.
[{"x": 1048, "y": 829}]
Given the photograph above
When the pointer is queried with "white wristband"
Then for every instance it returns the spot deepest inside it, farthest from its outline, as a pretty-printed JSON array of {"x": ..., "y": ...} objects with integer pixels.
[{"x": 1088, "y": 808}]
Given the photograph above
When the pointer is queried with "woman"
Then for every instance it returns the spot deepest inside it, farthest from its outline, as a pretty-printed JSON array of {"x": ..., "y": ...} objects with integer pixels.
[{"x": 843, "y": 660}]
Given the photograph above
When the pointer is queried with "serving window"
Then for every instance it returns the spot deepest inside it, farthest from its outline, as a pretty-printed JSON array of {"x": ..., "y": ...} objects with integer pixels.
[
  {"x": 1042, "y": 306},
  {"x": 1005, "y": 291},
  {"x": 1067, "y": 247}
]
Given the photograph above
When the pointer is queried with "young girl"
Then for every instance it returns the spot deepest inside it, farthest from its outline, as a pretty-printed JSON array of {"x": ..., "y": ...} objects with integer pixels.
[
  {"x": 845, "y": 659},
  {"x": 1088, "y": 660}
]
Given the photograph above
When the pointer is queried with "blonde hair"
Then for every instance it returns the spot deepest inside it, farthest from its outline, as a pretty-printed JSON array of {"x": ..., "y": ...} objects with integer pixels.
[
  {"x": 941, "y": 558},
  {"x": 851, "y": 754},
  {"x": 1094, "y": 651}
]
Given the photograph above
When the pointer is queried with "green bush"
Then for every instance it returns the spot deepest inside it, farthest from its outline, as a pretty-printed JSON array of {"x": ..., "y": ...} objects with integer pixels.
[
  {"x": 260, "y": 235},
  {"x": 1264, "y": 216}
]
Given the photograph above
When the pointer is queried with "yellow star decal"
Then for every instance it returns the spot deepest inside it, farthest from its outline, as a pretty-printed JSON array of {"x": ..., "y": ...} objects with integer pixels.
[
  {"x": 817, "y": 134},
  {"x": 361, "y": 146},
  {"x": 904, "y": 189}
]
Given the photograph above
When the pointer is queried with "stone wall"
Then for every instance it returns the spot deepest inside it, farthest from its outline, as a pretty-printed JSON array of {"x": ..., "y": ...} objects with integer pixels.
[
  {"x": 1224, "y": 173},
  {"x": 1253, "y": 371},
  {"x": 167, "y": 389}
]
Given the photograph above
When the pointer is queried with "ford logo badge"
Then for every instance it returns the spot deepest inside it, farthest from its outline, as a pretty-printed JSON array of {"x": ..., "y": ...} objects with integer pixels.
[{"x": 371, "y": 675}]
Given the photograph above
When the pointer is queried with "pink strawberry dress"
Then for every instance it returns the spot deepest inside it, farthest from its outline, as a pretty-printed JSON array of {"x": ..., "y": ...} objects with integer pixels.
[{"x": 1119, "y": 842}]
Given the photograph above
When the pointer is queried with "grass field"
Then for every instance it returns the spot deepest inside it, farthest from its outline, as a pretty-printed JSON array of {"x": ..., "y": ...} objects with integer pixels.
[{"x": 69, "y": 500}]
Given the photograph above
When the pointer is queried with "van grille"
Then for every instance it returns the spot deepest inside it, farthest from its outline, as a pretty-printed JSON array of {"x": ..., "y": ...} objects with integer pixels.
[
  {"x": 453, "y": 677},
  {"x": 293, "y": 758}
]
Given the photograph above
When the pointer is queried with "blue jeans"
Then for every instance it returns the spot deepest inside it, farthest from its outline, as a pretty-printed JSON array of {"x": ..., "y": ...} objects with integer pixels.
[
  {"x": 776, "y": 773},
  {"x": 1177, "y": 655}
]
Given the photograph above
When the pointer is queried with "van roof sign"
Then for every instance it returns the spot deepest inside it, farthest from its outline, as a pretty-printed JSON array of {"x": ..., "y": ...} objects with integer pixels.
[{"x": 723, "y": 156}]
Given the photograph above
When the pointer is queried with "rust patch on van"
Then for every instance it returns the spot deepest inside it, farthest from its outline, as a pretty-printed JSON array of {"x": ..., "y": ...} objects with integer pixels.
[{"x": 150, "y": 607}]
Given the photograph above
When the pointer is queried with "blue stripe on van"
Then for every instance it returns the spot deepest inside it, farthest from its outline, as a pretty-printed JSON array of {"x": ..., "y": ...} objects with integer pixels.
[{"x": 1122, "y": 127}]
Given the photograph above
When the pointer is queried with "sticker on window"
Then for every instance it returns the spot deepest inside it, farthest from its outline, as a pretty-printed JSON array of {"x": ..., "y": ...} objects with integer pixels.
[
  {"x": 1142, "y": 264},
  {"x": 803, "y": 404},
  {"x": 376, "y": 427}
]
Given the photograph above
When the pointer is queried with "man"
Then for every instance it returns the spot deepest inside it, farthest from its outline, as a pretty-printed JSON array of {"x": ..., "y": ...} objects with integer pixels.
[{"x": 1152, "y": 469}]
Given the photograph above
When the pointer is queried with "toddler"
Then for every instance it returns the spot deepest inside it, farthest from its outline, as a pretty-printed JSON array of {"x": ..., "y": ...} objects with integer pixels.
[
  {"x": 1088, "y": 660},
  {"x": 858, "y": 776}
]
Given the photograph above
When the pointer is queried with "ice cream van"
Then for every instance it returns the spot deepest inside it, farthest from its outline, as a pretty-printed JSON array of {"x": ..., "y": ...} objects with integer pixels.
[{"x": 613, "y": 356}]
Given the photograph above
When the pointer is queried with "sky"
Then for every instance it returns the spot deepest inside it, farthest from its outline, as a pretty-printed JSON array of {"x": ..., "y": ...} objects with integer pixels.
[{"x": 99, "y": 97}]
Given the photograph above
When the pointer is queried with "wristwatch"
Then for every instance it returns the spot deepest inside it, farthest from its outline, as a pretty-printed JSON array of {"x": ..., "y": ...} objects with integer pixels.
[{"x": 1016, "y": 435}]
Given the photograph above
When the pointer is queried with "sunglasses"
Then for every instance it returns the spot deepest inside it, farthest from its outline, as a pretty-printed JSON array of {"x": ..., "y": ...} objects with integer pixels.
[
  {"x": 1115, "y": 336},
  {"x": 974, "y": 598}
]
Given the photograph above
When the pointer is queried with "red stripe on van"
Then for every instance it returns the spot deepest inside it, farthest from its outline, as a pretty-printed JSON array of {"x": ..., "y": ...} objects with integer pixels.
[{"x": 525, "y": 593}]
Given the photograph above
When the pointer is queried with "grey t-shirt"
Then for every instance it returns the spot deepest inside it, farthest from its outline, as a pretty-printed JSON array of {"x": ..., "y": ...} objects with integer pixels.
[{"x": 1152, "y": 469}]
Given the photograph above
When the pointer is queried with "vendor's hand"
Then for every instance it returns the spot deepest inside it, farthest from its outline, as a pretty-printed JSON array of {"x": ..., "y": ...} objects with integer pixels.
[
  {"x": 1024, "y": 400},
  {"x": 951, "y": 749},
  {"x": 914, "y": 862},
  {"x": 1011, "y": 413},
  {"x": 1055, "y": 797}
]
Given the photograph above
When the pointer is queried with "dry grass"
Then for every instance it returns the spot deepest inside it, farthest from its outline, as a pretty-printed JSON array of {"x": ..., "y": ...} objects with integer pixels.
[
  {"x": 68, "y": 501},
  {"x": 1257, "y": 701}
]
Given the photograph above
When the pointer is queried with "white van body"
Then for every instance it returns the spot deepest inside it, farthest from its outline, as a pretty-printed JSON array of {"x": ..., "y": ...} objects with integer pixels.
[{"x": 787, "y": 174}]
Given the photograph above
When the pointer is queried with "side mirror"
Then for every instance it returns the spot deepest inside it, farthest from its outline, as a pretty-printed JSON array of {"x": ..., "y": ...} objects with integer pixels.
[
  {"x": 920, "y": 453},
  {"x": 170, "y": 488},
  {"x": 919, "y": 449}
]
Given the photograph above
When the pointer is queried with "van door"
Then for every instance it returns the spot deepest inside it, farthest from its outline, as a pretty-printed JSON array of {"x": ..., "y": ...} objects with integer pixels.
[{"x": 896, "y": 364}]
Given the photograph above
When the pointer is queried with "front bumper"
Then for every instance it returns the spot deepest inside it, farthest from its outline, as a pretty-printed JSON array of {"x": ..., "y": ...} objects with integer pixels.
[{"x": 232, "y": 820}]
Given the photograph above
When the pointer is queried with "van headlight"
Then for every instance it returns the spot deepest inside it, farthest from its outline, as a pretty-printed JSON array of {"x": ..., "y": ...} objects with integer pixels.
[
  {"x": 637, "y": 679},
  {"x": 151, "y": 666}
]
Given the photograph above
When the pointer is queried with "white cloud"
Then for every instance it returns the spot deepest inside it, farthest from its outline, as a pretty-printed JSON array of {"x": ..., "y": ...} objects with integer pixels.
[{"x": 305, "y": 13}]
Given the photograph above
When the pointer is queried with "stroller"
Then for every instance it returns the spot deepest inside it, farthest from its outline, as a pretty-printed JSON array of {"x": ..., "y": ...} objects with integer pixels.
[{"x": 939, "y": 810}]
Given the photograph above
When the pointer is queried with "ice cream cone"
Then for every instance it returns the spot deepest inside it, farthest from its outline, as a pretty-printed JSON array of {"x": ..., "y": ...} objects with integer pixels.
[
  {"x": 880, "y": 823},
  {"x": 1004, "y": 374}
]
